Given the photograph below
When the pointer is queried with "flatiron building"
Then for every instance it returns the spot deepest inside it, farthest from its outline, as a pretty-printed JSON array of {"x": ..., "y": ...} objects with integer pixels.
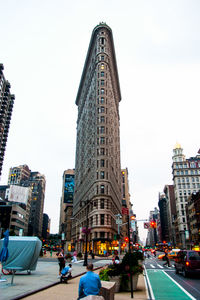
[{"x": 97, "y": 196}]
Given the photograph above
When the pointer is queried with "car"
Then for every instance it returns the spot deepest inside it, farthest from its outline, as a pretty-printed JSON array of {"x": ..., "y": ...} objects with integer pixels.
[
  {"x": 187, "y": 262},
  {"x": 161, "y": 256},
  {"x": 171, "y": 254}
]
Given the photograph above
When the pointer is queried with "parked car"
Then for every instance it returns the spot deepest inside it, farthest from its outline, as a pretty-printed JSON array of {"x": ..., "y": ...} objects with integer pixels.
[
  {"x": 187, "y": 262},
  {"x": 172, "y": 254}
]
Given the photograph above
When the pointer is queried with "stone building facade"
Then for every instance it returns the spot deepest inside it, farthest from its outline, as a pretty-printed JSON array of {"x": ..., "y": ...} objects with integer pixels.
[
  {"x": 6, "y": 107},
  {"x": 98, "y": 168},
  {"x": 186, "y": 177}
]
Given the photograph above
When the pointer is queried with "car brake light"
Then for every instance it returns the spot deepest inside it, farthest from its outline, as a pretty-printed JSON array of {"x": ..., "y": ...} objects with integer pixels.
[{"x": 187, "y": 263}]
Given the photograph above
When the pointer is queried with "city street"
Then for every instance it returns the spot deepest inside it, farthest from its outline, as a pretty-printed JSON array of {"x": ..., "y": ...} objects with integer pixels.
[{"x": 165, "y": 284}]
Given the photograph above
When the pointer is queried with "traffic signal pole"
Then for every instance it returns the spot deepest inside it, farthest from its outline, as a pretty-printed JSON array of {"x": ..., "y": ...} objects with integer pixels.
[
  {"x": 129, "y": 242},
  {"x": 129, "y": 249}
]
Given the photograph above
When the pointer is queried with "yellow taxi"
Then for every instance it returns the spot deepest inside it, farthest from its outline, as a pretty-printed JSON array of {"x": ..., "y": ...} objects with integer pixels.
[{"x": 171, "y": 254}]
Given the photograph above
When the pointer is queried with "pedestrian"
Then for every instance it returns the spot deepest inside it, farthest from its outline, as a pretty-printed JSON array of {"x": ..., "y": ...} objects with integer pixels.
[
  {"x": 61, "y": 260},
  {"x": 116, "y": 260},
  {"x": 166, "y": 258},
  {"x": 89, "y": 283},
  {"x": 74, "y": 257},
  {"x": 66, "y": 273}
]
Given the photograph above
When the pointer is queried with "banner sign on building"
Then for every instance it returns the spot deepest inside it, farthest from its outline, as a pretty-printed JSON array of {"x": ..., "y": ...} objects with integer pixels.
[
  {"x": 69, "y": 188},
  {"x": 125, "y": 211},
  {"x": 18, "y": 194}
]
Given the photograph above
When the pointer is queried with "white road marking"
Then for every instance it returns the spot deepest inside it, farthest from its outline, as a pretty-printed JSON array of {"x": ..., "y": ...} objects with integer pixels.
[
  {"x": 152, "y": 266},
  {"x": 160, "y": 266}
]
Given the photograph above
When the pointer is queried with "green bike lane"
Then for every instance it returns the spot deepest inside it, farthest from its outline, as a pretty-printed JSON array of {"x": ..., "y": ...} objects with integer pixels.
[{"x": 163, "y": 287}]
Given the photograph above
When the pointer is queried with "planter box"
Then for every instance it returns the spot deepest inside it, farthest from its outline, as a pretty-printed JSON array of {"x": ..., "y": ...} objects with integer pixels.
[{"x": 115, "y": 279}]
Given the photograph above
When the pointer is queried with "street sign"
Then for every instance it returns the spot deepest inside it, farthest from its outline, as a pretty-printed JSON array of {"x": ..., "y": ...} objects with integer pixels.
[
  {"x": 146, "y": 225},
  {"x": 119, "y": 222},
  {"x": 125, "y": 211}
]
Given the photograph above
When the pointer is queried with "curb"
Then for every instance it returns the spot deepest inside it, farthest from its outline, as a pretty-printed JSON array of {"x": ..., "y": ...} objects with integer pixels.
[{"x": 49, "y": 286}]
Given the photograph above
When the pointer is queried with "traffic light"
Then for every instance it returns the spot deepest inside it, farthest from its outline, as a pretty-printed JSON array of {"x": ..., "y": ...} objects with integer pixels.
[
  {"x": 126, "y": 239},
  {"x": 124, "y": 245},
  {"x": 153, "y": 224},
  {"x": 133, "y": 218}
]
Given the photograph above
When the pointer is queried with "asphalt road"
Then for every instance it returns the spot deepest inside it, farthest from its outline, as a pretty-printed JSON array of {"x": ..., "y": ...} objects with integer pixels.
[{"x": 190, "y": 284}]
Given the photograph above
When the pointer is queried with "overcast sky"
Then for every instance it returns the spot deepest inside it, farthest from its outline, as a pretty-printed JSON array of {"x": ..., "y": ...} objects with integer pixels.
[{"x": 43, "y": 46}]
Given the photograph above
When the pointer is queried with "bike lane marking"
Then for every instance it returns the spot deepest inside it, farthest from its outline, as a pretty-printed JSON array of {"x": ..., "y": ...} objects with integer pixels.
[{"x": 164, "y": 287}]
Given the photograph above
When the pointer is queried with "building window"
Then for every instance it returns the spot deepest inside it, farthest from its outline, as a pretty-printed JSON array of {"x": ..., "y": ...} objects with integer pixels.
[
  {"x": 102, "y": 151},
  {"x": 102, "y": 119},
  {"x": 102, "y": 163},
  {"x": 102, "y": 174},
  {"x": 102, "y": 219},
  {"x": 102, "y": 109},
  {"x": 102, "y": 129},
  {"x": 102, "y": 82},
  {"x": 102, "y": 74},
  {"x": 102, "y": 66},
  {"x": 102, "y": 140},
  {"x": 102, "y": 100},
  {"x": 102, "y": 204},
  {"x": 102, "y": 91},
  {"x": 102, "y": 40},
  {"x": 102, "y": 57},
  {"x": 102, "y": 234},
  {"x": 102, "y": 189}
]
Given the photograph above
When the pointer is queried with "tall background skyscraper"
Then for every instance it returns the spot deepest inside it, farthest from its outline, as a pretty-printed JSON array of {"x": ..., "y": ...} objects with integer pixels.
[
  {"x": 97, "y": 196},
  {"x": 23, "y": 176},
  {"x": 186, "y": 178},
  {"x": 6, "y": 106}
]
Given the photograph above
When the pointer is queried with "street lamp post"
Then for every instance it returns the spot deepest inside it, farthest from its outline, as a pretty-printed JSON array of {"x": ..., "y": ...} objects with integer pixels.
[{"x": 86, "y": 232}]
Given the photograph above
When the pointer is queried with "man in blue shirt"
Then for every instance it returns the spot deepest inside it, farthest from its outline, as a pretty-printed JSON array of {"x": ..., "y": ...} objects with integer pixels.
[{"x": 89, "y": 284}]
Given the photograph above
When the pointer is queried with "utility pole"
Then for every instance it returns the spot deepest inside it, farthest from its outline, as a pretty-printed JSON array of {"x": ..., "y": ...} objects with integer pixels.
[
  {"x": 129, "y": 249},
  {"x": 86, "y": 233}
]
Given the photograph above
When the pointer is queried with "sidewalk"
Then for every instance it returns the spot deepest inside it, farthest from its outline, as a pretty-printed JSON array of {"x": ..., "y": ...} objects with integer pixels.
[
  {"x": 70, "y": 291},
  {"x": 44, "y": 280}
]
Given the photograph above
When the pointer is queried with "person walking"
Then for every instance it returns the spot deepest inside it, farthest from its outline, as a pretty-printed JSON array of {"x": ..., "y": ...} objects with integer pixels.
[
  {"x": 166, "y": 258},
  {"x": 61, "y": 260},
  {"x": 74, "y": 257},
  {"x": 89, "y": 283}
]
